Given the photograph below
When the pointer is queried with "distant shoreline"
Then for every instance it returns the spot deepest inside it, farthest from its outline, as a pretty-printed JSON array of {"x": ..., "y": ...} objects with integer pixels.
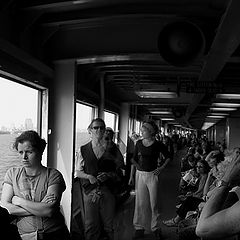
[
  {"x": 11, "y": 132},
  {"x": 5, "y": 132}
]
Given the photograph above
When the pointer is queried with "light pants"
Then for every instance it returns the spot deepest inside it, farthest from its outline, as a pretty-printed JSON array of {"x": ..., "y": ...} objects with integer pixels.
[{"x": 146, "y": 189}]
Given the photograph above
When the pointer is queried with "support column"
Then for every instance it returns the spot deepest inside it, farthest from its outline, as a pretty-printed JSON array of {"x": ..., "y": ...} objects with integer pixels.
[
  {"x": 123, "y": 127},
  {"x": 102, "y": 99},
  {"x": 220, "y": 131},
  {"x": 233, "y": 132},
  {"x": 62, "y": 125}
]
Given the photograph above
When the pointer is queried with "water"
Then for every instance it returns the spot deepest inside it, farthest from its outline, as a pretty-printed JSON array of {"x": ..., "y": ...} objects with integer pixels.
[{"x": 8, "y": 156}]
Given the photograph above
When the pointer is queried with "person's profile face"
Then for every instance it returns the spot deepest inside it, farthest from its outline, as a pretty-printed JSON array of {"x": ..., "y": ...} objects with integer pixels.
[
  {"x": 212, "y": 162},
  {"x": 108, "y": 135},
  {"x": 145, "y": 132},
  {"x": 200, "y": 168}
]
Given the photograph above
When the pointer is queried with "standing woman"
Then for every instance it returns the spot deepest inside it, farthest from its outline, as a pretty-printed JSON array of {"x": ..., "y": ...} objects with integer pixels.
[
  {"x": 146, "y": 157},
  {"x": 33, "y": 192},
  {"x": 96, "y": 168}
]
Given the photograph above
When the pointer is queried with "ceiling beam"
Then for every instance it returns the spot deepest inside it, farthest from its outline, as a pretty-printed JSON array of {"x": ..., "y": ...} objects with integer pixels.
[
  {"x": 24, "y": 57},
  {"x": 225, "y": 43}
]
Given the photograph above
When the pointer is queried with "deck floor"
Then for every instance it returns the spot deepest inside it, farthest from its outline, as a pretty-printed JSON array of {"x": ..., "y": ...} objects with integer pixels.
[{"x": 169, "y": 182}]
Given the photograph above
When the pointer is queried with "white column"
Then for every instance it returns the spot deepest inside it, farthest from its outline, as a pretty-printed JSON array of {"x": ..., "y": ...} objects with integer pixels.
[
  {"x": 62, "y": 125},
  {"x": 123, "y": 126}
]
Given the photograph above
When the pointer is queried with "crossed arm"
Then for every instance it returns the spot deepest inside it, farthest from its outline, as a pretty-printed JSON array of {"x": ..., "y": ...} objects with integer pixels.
[{"x": 21, "y": 207}]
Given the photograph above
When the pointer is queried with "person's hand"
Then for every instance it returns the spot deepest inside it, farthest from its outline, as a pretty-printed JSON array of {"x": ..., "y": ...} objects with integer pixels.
[
  {"x": 232, "y": 173},
  {"x": 137, "y": 166},
  {"x": 200, "y": 206},
  {"x": 92, "y": 179},
  {"x": 157, "y": 171},
  {"x": 16, "y": 200},
  {"x": 131, "y": 181},
  {"x": 211, "y": 172},
  {"x": 50, "y": 198},
  {"x": 102, "y": 177},
  {"x": 188, "y": 194}
]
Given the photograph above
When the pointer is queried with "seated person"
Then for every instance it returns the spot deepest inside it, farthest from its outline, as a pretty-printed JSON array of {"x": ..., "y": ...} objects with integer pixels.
[
  {"x": 198, "y": 152},
  {"x": 189, "y": 179},
  {"x": 216, "y": 221},
  {"x": 192, "y": 201},
  {"x": 185, "y": 163}
]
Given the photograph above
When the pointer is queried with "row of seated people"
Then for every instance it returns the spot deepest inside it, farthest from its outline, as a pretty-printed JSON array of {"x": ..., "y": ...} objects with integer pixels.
[{"x": 199, "y": 183}]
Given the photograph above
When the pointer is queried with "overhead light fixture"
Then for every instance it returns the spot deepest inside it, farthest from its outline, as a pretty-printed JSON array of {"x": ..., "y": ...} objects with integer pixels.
[
  {"x": 168, "y": 119},
  {"x": 226, "y": 104},
  {"x": 223, "y": 109},
  {"x": 156, "y": 94},
  {"x": 215, "y": 116},
  {"x": 161, "y": 112},
  {"x": 207, "y": 125},
  {"x": 228, "y": 96},
  {"x": 218, "y": 114}
]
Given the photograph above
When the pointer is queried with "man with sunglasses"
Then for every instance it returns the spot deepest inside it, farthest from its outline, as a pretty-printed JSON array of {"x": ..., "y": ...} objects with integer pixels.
[{"x": 97, "y": 170}]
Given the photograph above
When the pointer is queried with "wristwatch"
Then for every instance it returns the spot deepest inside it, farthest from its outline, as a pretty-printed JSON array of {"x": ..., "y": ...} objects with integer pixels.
[{"x": 222, "y": 183}]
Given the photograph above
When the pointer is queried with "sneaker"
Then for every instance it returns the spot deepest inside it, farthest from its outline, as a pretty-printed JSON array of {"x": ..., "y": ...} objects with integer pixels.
[
  {"x": 170, "y": 223},
  {"x": 139, "y": 233},
  {"x": 157, "y": 234}
]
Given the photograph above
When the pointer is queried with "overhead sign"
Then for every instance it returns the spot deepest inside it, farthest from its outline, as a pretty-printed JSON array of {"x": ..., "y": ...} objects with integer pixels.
[{"x": 201, "y": 87}]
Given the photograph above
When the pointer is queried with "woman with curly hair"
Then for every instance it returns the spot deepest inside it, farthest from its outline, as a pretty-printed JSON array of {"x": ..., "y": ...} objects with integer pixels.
[{"x": 33, "y": 192}]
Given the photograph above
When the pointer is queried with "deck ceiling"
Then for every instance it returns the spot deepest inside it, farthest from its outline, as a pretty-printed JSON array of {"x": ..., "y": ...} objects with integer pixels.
[{"x": 115, "y": 45}]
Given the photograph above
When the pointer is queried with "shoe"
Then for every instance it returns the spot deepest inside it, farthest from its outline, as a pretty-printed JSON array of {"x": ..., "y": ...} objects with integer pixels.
[
  {"x": 170, "y": 223},
  {"x": 178, "y": 206},
  {"x": 158, "y": 234},
  {"x": 139, "y": 233}
]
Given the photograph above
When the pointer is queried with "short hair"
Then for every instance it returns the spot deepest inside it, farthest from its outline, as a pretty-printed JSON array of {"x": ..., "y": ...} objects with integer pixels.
[
  {"x": 100, "y": 120},
  {"x": 108, "y": 129},
  {"x": 153, "y": 125},
  {"x": 31, "y": 136}
]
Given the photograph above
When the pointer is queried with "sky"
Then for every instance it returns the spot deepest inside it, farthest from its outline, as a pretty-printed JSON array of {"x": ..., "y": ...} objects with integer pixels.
[
  {"x": 84, "y": 117},
  {"x": 17, "y": 102}
]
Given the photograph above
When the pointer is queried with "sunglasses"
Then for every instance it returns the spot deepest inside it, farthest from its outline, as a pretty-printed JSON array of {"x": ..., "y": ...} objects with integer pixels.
[{"x": 98, "y": 127}]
